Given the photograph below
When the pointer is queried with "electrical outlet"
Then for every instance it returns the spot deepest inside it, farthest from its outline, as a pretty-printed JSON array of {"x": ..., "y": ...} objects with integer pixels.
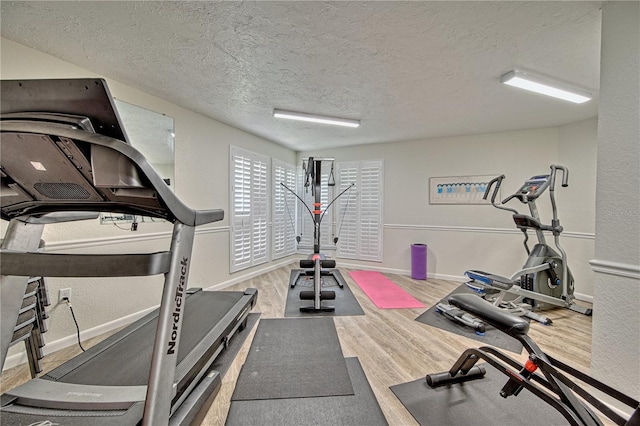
[{"x": 65, "y": 293}]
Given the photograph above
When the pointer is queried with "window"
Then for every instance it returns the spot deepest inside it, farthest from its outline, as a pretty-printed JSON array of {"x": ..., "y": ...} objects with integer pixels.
[
  {"x": 249, "y": 208},
  {"x": 284, "y": 210},
  {"x": 356, "y": 217},
  {"x": 359, "y": 219}
]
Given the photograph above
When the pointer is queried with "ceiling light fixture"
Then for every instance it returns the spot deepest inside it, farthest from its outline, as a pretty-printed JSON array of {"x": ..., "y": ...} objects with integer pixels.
[
  {"x": 546, "y": 86},
  {"x": 336, "y": 121}
]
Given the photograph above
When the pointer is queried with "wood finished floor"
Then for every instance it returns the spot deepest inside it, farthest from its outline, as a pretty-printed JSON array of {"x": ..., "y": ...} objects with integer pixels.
[{"x": 392, "y": 347}]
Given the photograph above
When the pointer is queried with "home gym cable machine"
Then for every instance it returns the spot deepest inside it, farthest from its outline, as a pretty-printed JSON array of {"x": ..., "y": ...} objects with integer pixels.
[
  {"x": 317, "y": 265},
  {"x": 65, "y": 156}
]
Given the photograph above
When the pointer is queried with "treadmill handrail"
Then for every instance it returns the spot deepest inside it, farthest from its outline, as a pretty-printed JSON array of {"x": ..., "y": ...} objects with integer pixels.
[
  {"x": 177, "y": 209},
  {"x": 83, "y": 265}
]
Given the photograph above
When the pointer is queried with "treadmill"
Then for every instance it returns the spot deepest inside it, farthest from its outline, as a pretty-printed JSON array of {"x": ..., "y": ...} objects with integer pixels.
[{"x": 65, "y": 156}]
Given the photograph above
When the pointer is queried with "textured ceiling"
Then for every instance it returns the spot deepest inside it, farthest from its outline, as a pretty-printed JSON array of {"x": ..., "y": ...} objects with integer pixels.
[{"x": 407, "y": 70}]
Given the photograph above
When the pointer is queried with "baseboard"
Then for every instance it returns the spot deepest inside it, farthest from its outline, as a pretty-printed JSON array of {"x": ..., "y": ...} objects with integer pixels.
[
  {"x": 253, "y": 274},
  {"x": 456, "y": 278},
  {"x": 584, "y": 297},
  {"x": 347, "y": 265}
]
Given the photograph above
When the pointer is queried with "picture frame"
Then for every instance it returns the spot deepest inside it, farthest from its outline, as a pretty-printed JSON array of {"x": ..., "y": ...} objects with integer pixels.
[{"x": 459, "y": 189}]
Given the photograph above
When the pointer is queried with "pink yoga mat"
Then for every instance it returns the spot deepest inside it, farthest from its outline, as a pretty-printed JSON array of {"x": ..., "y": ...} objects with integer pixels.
[{"x": 383, "y": 292}]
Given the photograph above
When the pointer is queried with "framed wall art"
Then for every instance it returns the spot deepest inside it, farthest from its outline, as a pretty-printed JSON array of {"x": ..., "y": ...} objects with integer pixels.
[{"x": 459, "y": 189}]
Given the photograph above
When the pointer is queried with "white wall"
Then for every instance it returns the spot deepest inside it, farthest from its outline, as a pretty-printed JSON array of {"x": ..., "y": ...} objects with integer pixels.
[
  {"x": 461, "y": 237},
  {"x": 616, "y": 324},
  {"x": 201, "y": 181},
  {"x": 577, "y": 149}
]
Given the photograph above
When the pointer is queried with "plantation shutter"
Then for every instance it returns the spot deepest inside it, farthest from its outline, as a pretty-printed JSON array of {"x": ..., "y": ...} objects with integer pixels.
[
  {"x": 348, "y": 211},
  {"x": 249, "y": 209},
  {"x": 360, "y": 217},
  {"x": 260, "y": 212},
  {"x": 370, "y": 232},
  {"x": 284, "y": 210}
]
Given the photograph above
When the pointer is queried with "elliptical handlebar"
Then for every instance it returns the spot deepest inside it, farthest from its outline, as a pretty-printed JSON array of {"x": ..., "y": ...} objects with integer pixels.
[
  {"x": 498, "y": 182},
  {"x": 565, "y": 176},
  {"x": 496, "y": 189},
  {"x": 555, "y": 222}
]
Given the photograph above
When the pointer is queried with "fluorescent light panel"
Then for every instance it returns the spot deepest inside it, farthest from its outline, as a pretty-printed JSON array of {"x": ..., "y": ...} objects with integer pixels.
[
  {"x": 546, "y": 86},
  {"x": 336, "y": 121}
]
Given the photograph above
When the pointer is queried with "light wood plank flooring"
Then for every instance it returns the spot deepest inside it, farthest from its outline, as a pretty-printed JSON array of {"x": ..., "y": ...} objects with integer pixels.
[{"x": 392, "y": 347}]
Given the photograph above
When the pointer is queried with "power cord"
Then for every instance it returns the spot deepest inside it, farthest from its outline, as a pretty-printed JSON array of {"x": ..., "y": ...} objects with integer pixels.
[{"x": 66, "y": 299}]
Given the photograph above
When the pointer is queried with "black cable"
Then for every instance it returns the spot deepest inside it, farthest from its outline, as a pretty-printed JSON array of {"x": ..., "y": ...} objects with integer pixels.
[
  {"x": 344, "y": 213},
  {"x": 332, "y": 201},
  {"x": 286, "y": 204},
  {"x": 76, "y": 322}
]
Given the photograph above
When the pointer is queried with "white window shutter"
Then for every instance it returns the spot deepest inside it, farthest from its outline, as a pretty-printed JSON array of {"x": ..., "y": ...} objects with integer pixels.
[
  {"x": 260, "y": 214},
  {"x": 370, "y": 232},
  {"x": 240, "y": 217},
  {"x": 249, "y": 211},
  {"x": 284, "y": 210},
  {"x": 279, "y": 218},
  {"x": 347, "y": 221},
  {"x": 360, "y": 217}
]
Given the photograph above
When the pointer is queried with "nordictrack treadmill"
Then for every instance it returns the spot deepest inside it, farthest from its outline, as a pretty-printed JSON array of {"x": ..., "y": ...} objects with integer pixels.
[{"x": 65, "y": 157}]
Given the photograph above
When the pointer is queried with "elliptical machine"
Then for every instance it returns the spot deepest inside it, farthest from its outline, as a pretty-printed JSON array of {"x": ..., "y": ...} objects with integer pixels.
[{"x": 545, "y": 280}]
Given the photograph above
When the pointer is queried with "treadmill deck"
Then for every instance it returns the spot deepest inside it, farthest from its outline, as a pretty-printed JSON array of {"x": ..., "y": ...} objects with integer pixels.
[{"x": 72, "y": 394}]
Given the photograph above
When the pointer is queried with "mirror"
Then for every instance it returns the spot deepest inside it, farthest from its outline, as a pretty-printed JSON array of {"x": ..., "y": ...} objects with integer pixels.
[{"x": 152, "y": 134}]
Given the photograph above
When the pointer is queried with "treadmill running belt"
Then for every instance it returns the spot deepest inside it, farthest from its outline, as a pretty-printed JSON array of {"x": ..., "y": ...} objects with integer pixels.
[{"x": 127, "y": 363}]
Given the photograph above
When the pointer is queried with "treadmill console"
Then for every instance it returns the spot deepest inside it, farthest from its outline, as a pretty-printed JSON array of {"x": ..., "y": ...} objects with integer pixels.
[{"x": 533, "y": 188}]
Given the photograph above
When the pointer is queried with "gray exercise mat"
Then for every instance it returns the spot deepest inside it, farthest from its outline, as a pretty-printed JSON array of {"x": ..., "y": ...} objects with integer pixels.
[
  {"x": 492, "y": 336},
  {"x": 358, "y": 409},
  {"x": 294, "y": 358},
  {"x": 474, "y": 403},
  {"x": 345, "y": 302}
]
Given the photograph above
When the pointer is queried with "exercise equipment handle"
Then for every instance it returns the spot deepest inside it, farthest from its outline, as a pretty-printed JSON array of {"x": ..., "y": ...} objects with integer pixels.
[
  {"x": 498, "y": 182},
  {"x": 565, "y": 176},
  {"x": 552, "y": 181}
]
